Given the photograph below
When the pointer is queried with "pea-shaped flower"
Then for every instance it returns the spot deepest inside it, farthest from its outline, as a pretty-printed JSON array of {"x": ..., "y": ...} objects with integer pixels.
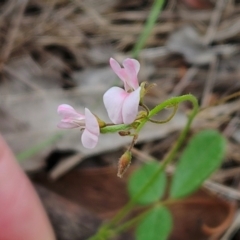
[
  {"x": 122, "y": 104},
  {"x": 88, "y": 123}
]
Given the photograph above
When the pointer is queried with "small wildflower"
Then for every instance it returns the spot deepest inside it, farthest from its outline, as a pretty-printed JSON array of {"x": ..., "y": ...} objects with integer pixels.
[
  {"x": 88, "y": 123},
  {"x": 122, "y": 104}
]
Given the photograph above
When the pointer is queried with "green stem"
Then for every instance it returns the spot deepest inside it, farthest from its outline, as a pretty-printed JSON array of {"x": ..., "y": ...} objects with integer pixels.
[
  {"x": 170, "y": 102},
  {"x": 168, "y": 119},
  {"x": 140, "y": 216},
  {"x": 145, "y": 107},
  {"x": 155, "y": 10},
  {"x": 170, "y": 156},
  {"x": 115, "y": 128},
  {"x": 131, "y": 222}
]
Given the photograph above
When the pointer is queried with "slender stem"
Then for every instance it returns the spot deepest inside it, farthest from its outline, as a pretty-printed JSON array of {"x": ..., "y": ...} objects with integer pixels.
[
  {"x": 102, "y": 234},
  {"x": 133, "y": 142},
  {"x": 170, "y": 156},
  {"x": 175, "y": 101},
  {"x": 168, "y": 119},
  {"x": 132, "y": 221},
  {"x": 115, "y": 128},
  {"x": 145, "y": 107},
  {"x": 140, "y": 216}
]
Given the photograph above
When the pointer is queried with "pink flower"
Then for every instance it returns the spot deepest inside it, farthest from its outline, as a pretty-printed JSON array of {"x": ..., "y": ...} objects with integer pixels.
[
  {"x": 122, "y": 105},
  {"x": 72, "y": 119},
  {"x": 128, "y": 74}
]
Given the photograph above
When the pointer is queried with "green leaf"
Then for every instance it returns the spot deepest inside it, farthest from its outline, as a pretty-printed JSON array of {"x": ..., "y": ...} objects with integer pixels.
[
  {"x": 201, "y": 157},
  {"x": 140, "y": 177},
  {"x": 157, "y": 224}
]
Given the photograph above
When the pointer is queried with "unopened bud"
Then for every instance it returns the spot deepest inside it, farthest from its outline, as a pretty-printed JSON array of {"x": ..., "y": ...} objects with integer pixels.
[{"x": 124, "y": 163}]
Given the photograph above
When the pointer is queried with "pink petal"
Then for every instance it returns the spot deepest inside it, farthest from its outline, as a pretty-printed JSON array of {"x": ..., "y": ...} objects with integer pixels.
[
  {"x": 91, "y": 132},
  {"x": 67, "y": 111},
  {"x": 122, "y": 74},
  {"x": 132, "y": 68},
  {"x": 130, "y": 106},
  {"x": 132, "y": 64},
  {"x": 113, "y": 100},
  {"x": 91, "y": 123},
  {"x": 89, "y": 140},
  {"x": 65, "y": 124},
  {"x": 115, "y": 65}
]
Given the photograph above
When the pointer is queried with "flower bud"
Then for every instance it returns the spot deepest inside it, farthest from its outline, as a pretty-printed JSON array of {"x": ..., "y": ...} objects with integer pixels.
[{"x": 124, "y": 163}]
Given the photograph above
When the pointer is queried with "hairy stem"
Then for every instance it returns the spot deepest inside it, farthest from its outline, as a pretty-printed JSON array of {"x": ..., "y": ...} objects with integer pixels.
[{"x": 114, "y": 128}]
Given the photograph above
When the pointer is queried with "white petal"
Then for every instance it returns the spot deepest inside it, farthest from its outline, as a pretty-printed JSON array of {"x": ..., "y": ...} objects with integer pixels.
[
  {"x": 91, "y": 123},
  {"x": 113, "y": 100},
  {"x": 130, "y": 106},
  {"x": 89, "y": 140}
]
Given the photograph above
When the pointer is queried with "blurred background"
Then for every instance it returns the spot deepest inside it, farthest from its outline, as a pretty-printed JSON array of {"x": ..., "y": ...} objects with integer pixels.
[{"x": 57, "y": 51}]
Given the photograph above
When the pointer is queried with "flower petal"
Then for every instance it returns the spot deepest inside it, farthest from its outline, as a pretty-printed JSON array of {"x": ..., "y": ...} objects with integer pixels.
[
  {"x": 67, "y": 111},
  {"x": 89, "y": 140},
  {"x": 130, "y": 106},
  {"x": 113, "y": 100},
  {"x": 115, "y": 65},
  {"x": 121, "y": 72},
  {"x": 91, "y": 132},
  {"x": 65, "y": 124},
  {"x": 132, "y": 64},
  {"x": 132, "y": 68},
  {"x": 91, "y": 123}
]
